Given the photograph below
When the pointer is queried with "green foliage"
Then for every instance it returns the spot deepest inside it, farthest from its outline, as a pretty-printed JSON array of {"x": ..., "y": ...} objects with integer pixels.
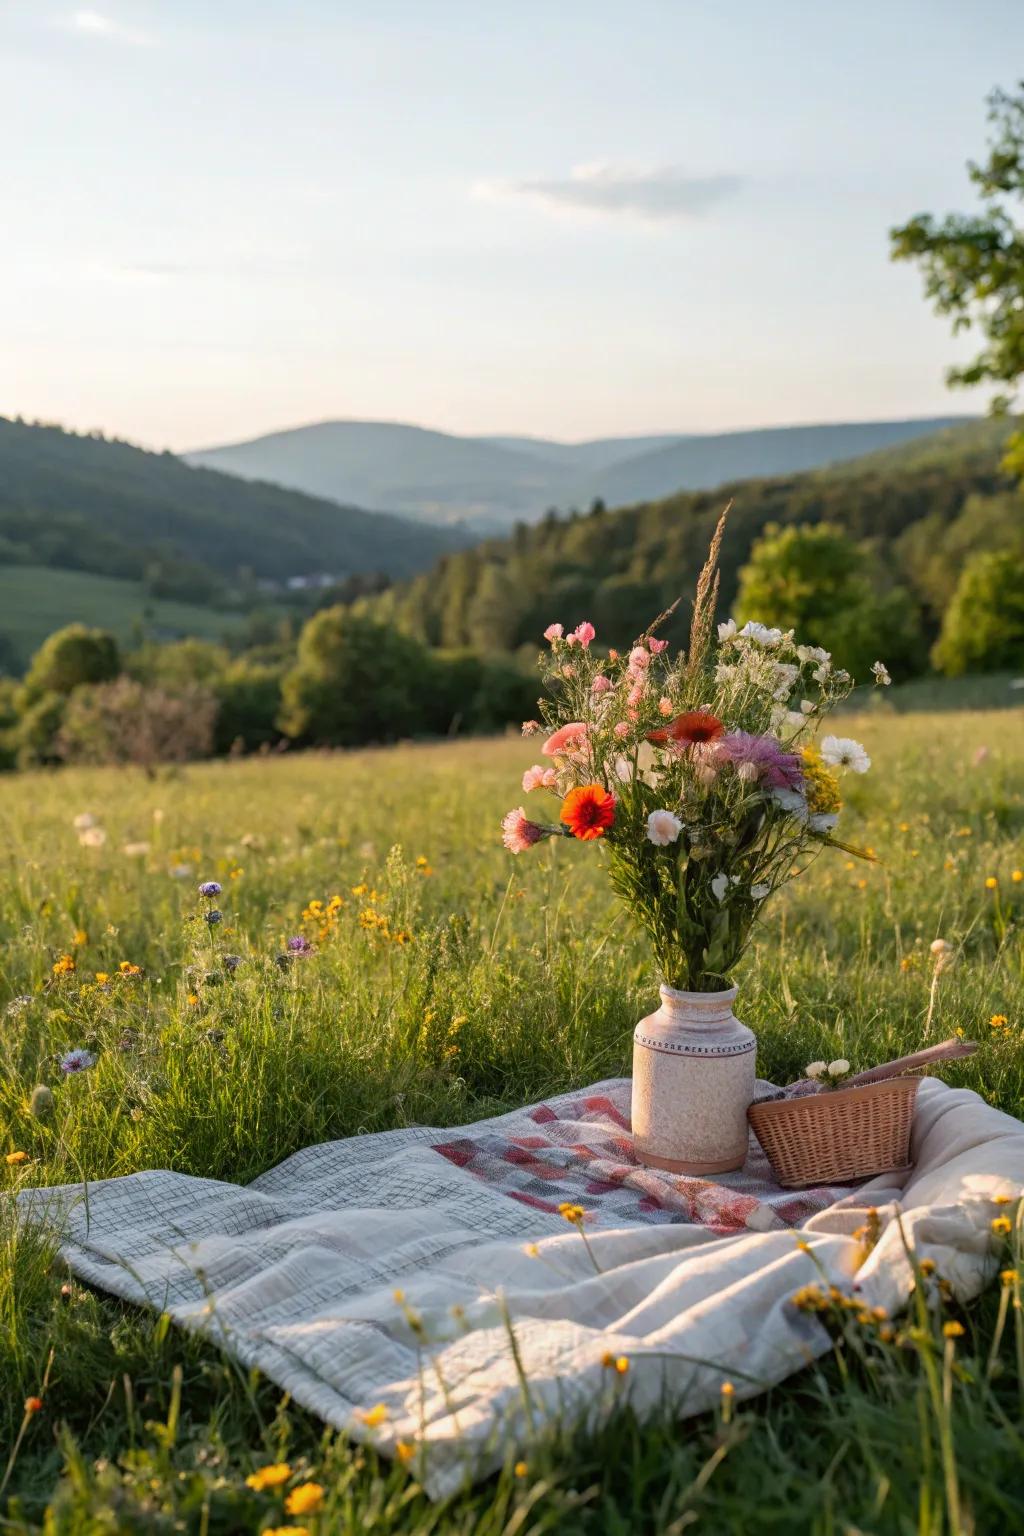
[
  {"x": 249, "y": 703},
  {"x": 354, "y": 681},
  {"x": 71, "y": 657},
  {"x": 814, "y": 579},
  {"x": 983, "y": 630},
  {"x": 144, "y": 1427}
]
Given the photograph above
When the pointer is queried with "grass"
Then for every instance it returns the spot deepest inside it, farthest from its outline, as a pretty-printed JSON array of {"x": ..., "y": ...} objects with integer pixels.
[
  {"x": 35, "y": 600},
  {"x": 143, "y": 1429}
]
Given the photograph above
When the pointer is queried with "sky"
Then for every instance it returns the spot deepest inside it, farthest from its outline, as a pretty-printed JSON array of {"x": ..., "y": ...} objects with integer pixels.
[{"x": 570, "y": 219}]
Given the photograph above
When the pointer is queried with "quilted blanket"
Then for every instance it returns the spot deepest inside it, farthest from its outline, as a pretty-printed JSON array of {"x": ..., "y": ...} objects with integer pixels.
[{"x": 382, "y": 1280}]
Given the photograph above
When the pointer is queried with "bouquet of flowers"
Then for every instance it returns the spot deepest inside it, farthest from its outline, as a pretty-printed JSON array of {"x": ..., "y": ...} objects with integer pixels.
[{"x": 697, "y": 772}]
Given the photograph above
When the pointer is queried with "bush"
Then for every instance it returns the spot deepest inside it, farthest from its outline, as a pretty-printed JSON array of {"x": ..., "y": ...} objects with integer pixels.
[
  {"x": 69, "y": 659},
  {"x": 128, "y": 722},
  {"x": 814, "y": 579},
  {"x": 355, "y": 682},
  {"x": 983, "y": 628},
  {"x": 249, "y": 702}
]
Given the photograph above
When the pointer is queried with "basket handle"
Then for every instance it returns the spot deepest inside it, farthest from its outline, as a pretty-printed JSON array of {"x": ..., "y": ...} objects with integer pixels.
[{"x": 946, "y": 1050}]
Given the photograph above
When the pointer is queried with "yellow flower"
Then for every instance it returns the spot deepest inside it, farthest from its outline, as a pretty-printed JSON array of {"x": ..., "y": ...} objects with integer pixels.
[
  {"x": 991, "y": 883},
  {"x": 102, "y": 977},
  {"x": 269, "y": 1477},
  {"x": 193, "y": 1000},
  {"x": 287, "y": 1530},
  {"x": 1002, "y": 1199},
  {"x": 80, "y": 938},
  {"x": 953, "y": 1330},
  {"x": 727, "y": 1389},
  {"x": 306, "y": 1499},
  {"x": 375, "y": 1416},
  {"x": 531, "y": 1250},
  {"x": 520, "y": 1469},
  {"x": 405, "y": 1450},
  {"x": 1007, "y": 1276},
  {"x": 128, "y": 969},
  {"x": 14, "y": 1158},
  {"x": 398, "y": 1296},
  {"x": 1017, "y": 876},
  {"x": 998, "y": 1021},
  {"x": 622, "y": 1364},
  {"x": 1002, "y": 1226},
  {"x": 927, "y": 1266},
  {"x": 573, "y": 1214},
  {"x": 821, "y": 786},
  {"x": 63, "y": 966}
]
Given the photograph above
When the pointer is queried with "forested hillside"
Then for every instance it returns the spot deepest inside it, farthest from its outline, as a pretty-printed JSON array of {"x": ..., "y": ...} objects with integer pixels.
[
  {"x": 923, "y": 506},
  {"x": 87, "y": 503}
]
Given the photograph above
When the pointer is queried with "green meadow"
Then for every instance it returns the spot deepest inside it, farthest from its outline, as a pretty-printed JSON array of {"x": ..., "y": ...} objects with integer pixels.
[{"x": 449, "y": 980}]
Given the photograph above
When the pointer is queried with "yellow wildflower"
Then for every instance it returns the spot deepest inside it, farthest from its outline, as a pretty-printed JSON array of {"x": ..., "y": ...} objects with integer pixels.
[
  {"x": 573, "y": 1214},
  {"x": 1002, "y": 1226},
  {"x": 821, "y": 785},
  {"x": 991, "y": 883},
  {"x": 80, "y": 938},
  {"x": 1007, "y": 1276},
  {"x": 193, "y": 999},
  {"x": 622, "y": 1364},
  {"x": 727, "y": 1389},
  {"x": 998, "y": 1021},
  {"x": 287, "y": 1530},
  {"x": 952, "y": 1330},
  {"x": 102, "y": 977},
  {"x": 405, "y": 1450},
  {"x": 128, "y": 969},
  {"x": 64, "y": 965},
  {"x": 14, "y": 1158},
  {"x": 375, "y": 1416},
  {"x": 1002, "y": 1199},
  {"x": 927, "y": 1267},
  {"x": 306, "y": 1499},
  {"x": 1017, "y": 876},
  {"x": 520, "y": 1469},
  {"x": 269, "y": 1477}
]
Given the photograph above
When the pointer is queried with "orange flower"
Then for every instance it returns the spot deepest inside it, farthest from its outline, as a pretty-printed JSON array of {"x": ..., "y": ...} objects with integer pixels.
[
  {"x": 588, "y": 811},
  {"x": 692, "y": 729}
]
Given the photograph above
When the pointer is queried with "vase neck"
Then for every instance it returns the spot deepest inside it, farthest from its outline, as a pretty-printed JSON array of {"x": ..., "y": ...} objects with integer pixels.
[{"x": 698, "y": 1008}]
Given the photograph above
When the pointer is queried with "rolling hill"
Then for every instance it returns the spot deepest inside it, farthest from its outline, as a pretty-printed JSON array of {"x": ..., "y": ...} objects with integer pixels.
[
  {"x": 492, "y": 482},
  {"x": 92, "y": 504}
]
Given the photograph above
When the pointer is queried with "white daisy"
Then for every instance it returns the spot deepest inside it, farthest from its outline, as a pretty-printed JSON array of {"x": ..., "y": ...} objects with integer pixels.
[{"x": 844, "y": 752}]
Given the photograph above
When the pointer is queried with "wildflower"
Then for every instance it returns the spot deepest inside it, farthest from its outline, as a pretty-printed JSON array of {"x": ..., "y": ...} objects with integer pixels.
[
  {"x": 601, "y": 684},
  {"x": 41, "y": 1102},
  {"x": 404, "y": 1450},
  {"x": 519, "y": 833},
  {"x": 760, "y": 634},
  {"x": 588, "y": 811},
  {"x": 991, "y": 883},
  {"x": 375, "y": 1416},
  {"x": 269, "y": 1477},
  {"x": 532, "y": 1251},
  {"x": 727, "y": 1389},
  {"x": 844, "y": 752},
  {"x": 664, "y": 706},
  {"x": 1017, "y": 876},
  {"x": 126, "y": 968},
  {"x": 998, "y": 1021},
  {"x": 213, "y": 917},
  {"x": 694, "y": 728},
  {"x": 761, "y": 758},
  {"x": 299, "y": 945},
  {"x": 880, "y": 672},
  {"x": 820, "y": 787},
  {"x": 77, "y": 1061},
  {"x": 639, "y": 661},
  {"x": 83, "y": 821},
  {"x": 520, "y": 1469},
  {"x": 726, "y": 631},
  {"x": 621, "y": 730},
  {"x": 33, "y": 1405},
  {"x": 531, "y": 727},
  {"x": 573, "y": 1214},
  {"x": 553, "y": 632},
  {"x": 1007, "y": 1276},
  {"x": 663, "y": 828},
  {"x": 231, "y": 963},
  {"x": 656, "y": 646},
  {"x": 210, "y": 888},
  {"x": 621, "y": 1364},
  {"x": 539, "y": 778},
  {"x": 306, "y": 1499},
  {"x": 566, "y": 739},
  {"x": 13, "y": 1159},
  {"x": 92, "y": 837},
  {"x": 80, "y": 938},
  {"x": 286, "y": 1530},
  {"x": 64, "y": 965},
  {"x": 838, "y": 1068},
  {"x": 1002, "y": 1226},
  {"x": 102, "y": 977},
  {"x": 953, "y": 1330},
  {"x": 927, "y": 1267},
  {"x": 940, "y": 947},
  {"x": 582, "y": 635},
  {"x": 193, "y": 999}
]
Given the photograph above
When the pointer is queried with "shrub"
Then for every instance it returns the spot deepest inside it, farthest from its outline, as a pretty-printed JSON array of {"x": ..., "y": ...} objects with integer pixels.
[
  {"x": 128, "y": 722},
  {"x": 249, "y": 702},
  {"x": 69, "y": 659},
  {"x": 354, "y": 681},
  {"x": 983, "y": 627}
]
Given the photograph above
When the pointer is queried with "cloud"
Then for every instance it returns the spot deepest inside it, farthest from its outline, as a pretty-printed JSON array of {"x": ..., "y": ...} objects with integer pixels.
[
  {"x": 656, "y": 193},
  {"x": 93, "y": 24}
]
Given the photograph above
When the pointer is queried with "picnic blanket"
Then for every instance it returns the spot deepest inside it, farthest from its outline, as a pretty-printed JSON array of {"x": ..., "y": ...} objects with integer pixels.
[{"x": 690, "y": 1280}]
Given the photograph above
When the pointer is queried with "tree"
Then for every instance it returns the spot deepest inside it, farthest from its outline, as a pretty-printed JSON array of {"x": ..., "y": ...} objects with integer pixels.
[
  {"x": 130, "y": 722},
  {"x": 354, "y": 682},
  {"x": 69, "y": 658},
  {"x": 983, "y": 630},
  {"x": 249, "y": 696},
  {"x": 973, "y": 264},
  {"x": 814, "y": 579}
]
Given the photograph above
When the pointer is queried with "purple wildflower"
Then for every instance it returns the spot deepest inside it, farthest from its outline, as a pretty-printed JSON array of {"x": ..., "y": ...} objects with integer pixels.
[
  {"x": 300, "y": 945},
  {"x": 210, "y": 888},
  {"x": 763, "y": 758},
  {"x": 231, "y": 963},
  {"x": 77, "y": 1061},
  {"x": 213, "y": 917}
]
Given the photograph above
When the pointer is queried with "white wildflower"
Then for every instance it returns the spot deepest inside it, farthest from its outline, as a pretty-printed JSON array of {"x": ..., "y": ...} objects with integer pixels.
[
  {"x": 92, "y": 837},
  {"x": 815, "y": 1069},
  {"x": 813, "y": 653},
  {"x": 83, "y": 821},
  {"x": 760, "y": 891},
  {"x": 727, "y": 631},
  {"x": 760, "y": 634},
  {"x": 719, "y": 886},
  {"x": 785, "y": 676},
  {"x": 839, "y": 1067},
  {"x": 791, "y": 801},
  {"x": 844, "y": 752},
  {"x": 880, "y": 672},
  {"x": 821, "y": 672},
  {"x": 663, "y": 828},
  {"x": 806, "y": 707}
]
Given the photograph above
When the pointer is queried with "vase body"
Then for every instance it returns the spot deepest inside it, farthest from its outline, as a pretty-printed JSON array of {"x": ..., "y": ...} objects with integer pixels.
[{"x": 693, "y": 1080}]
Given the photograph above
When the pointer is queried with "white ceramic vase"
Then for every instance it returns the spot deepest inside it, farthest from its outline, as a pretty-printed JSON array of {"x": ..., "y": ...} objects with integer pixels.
[{"x": 693, "y": 1080}]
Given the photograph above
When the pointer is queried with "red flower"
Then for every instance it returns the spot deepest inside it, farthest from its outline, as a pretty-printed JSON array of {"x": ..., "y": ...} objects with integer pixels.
[
  {"x": 588, "y": 811},
  {"x": 693, "y": 729}
]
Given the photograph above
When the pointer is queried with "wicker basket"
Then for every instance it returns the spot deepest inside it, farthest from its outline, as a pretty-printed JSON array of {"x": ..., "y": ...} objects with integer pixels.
[{"x": 840, "y": 1135}]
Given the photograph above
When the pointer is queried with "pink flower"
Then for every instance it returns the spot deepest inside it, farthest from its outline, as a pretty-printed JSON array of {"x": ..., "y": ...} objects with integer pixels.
[
  {"x": 519, "y": 833},
  {"x": 657, "y": 646},
  {"x": 567, "y": 738},
  {"x": 531, "y": 727},
  {"x": 636, "y": 693},
  {"x": 665, "y": 706},
  {"x": 539, "y": 778},
  {"x": 639, "y": 660},
  {"x": 553, "y": 632},
  {"x": 621, "y": 730},
  {"x": 584, "y": 633},
  {"x": 613, "y": 654},
  {"x": 568, "y": 671},
  {"x": 601, "y": 684}
]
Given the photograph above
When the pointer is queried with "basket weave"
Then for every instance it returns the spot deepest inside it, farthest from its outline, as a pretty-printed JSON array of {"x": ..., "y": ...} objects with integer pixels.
[{"x": 837, "y": 1136}]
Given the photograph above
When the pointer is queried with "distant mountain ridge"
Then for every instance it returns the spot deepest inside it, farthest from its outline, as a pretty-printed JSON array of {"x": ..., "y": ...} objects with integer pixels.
[{"x": 489, "y": 483}]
